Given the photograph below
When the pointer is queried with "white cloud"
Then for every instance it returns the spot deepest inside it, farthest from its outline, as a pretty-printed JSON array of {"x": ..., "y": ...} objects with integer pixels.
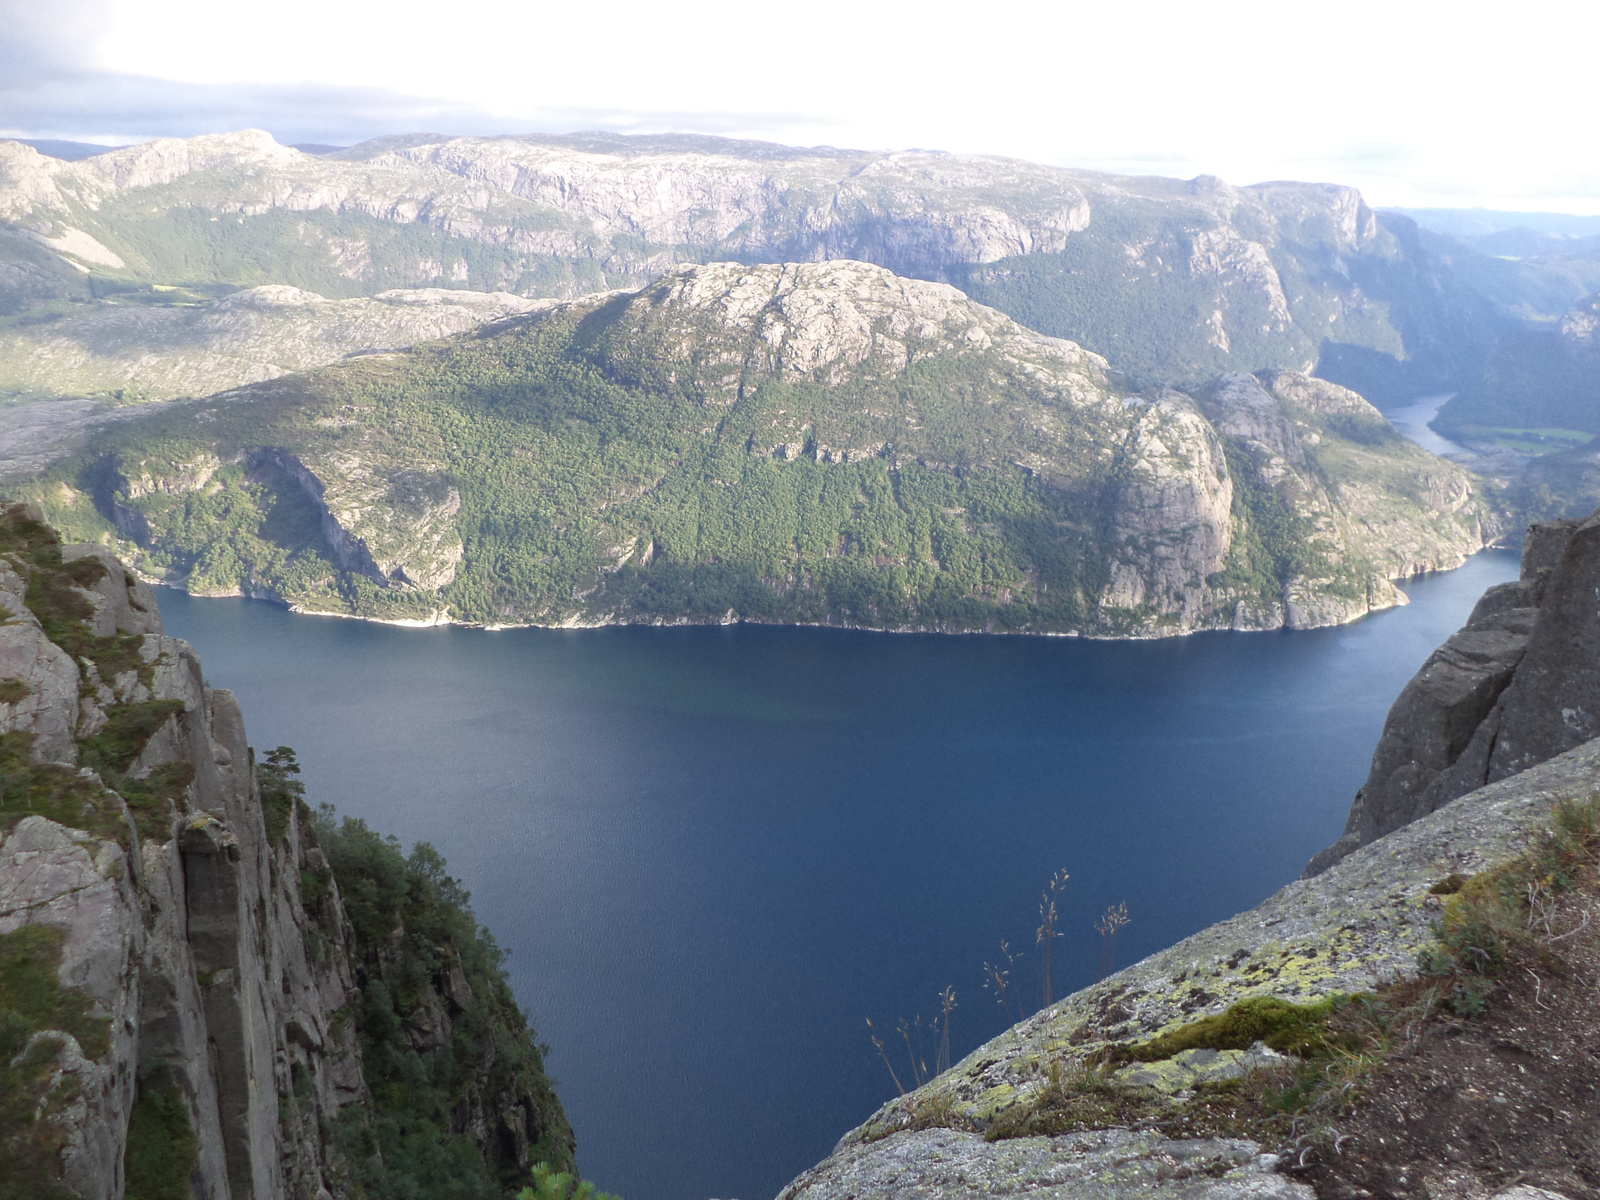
[{"x": 1415, "y": 103}]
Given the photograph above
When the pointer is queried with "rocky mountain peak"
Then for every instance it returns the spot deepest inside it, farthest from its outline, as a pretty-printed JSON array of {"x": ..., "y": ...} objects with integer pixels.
[{"x": 814, "y": 321}]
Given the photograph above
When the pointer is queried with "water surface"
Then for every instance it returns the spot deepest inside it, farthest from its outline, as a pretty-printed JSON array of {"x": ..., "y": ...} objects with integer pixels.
[
  {"x": 1412, "y": 420},
  {"x": 715, "y": 851}
]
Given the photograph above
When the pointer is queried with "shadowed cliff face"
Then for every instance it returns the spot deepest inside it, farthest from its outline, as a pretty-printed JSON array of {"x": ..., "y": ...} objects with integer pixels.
[
  {"x": 1519, "y": 684},
  {"x": 823, "y": 443},
  {"x": 175, "y": 1005}
]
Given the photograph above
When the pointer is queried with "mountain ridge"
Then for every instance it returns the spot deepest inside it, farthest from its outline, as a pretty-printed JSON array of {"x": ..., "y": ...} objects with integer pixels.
[{"x": 1173, "y": 280}]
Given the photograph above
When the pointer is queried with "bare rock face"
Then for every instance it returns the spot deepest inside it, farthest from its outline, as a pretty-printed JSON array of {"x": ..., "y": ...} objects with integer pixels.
[
  {"x": 42, "y": 694},
  {"x": 1553, "y": 701},
  {"x": 1173, "y": 519},
  {"x": 184, "y": 930},
  {"x": 1243, "y": 408},
  {"x": 1480, "y": 710},
  {"x": 394, "y": 524}
]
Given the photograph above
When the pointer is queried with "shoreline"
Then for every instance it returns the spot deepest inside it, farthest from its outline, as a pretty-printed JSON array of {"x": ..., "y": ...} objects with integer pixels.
[{"x": 441, "y": 618}]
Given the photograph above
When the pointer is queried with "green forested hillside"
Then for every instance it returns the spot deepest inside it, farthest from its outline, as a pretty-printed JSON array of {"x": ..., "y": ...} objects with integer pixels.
[
  {"x": 1537, "y": 379},
  {"x": 821, "y": 443}
]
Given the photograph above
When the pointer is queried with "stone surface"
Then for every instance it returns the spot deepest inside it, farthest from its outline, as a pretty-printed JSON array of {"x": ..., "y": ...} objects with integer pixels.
[
  {"x": 1517, "y": 685},
  {"x": 1355, "y": 926},
  {"x": 1113, "y": 1164},
  {"x": 49, "y": 708}
]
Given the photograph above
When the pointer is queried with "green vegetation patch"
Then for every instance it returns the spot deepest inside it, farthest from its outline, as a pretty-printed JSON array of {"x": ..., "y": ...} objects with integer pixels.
[
  {"x": 550, "y": 1184},
  {"x": 31, "y": 1000},
  {"x": 127, "y": 729},
  {"x": 280, "y": 792},
  {"x": 59, "y": 793},
  {"x": 31, "y": 992},
  {"x": 162, "y": 1150},
  {"x": 1524, "y": 441},
  {"x": 1493, "y": 917},
  {"x": 1269, "y": 543},
  {"x": 1299, "y": 1029}
]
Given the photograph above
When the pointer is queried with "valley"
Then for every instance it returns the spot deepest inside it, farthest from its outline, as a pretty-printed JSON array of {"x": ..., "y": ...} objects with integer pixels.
[
  {"x": 627, "y": 453},
  {"x": 713, "y": 852}
]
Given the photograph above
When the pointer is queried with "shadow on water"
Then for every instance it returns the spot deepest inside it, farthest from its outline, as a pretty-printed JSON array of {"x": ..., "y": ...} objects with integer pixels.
[{"x": 715, "y": 851}]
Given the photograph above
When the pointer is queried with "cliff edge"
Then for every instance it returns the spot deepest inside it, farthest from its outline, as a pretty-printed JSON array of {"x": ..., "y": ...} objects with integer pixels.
[
  {"x": 187, "y": 1003},
  {"x": 1518, "y": 684},
  {"x": 1413, "y": 1019}
]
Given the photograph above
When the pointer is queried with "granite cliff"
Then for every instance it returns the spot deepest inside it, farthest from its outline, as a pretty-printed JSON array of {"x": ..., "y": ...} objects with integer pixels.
[
  {"x": 812, "y": 442},
  {"x": 1516, "y": 686},
  {"x": 189, "y": 1004}
]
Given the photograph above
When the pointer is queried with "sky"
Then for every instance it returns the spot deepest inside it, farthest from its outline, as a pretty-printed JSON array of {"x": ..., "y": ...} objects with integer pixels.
[{"x": 1425, "y": 104}]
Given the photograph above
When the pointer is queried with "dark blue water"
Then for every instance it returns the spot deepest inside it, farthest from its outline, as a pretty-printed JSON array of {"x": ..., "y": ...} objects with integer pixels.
[{"x": 715, "y": 851}]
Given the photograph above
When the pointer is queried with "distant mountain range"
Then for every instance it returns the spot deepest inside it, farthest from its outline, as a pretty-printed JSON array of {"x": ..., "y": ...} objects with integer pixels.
[{"x": 1171, "y": 281}]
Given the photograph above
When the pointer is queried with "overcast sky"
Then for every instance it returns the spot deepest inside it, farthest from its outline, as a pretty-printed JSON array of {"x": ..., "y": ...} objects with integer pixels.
[{"x": 1458, "y": 104}]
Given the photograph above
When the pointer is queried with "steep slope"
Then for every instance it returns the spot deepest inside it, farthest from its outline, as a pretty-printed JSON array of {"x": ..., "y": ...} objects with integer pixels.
[
  {"x": 806, "y": 443},
  {"x": 138, "y": 352},
  {"x": 193, "y": 998},
  {"x": 1536, "y": 379},
  {"x": 1517, "y": 685},
  {"x": 1169, "y": 280}
]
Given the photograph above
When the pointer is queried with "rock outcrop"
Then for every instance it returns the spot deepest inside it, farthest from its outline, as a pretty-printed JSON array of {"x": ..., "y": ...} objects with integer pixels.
[
  {"x": 687, "y": 450},
  {"x": 182, "y": 919},
  {"x": 1517, "y": 685},
  {"x": 157, "y": 895},
  {"x": 1352, "y": 929}
]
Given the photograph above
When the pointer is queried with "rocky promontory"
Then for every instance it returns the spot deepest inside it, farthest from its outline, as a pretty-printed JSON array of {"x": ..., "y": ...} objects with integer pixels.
[{"x": 1516, "y": 686}]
